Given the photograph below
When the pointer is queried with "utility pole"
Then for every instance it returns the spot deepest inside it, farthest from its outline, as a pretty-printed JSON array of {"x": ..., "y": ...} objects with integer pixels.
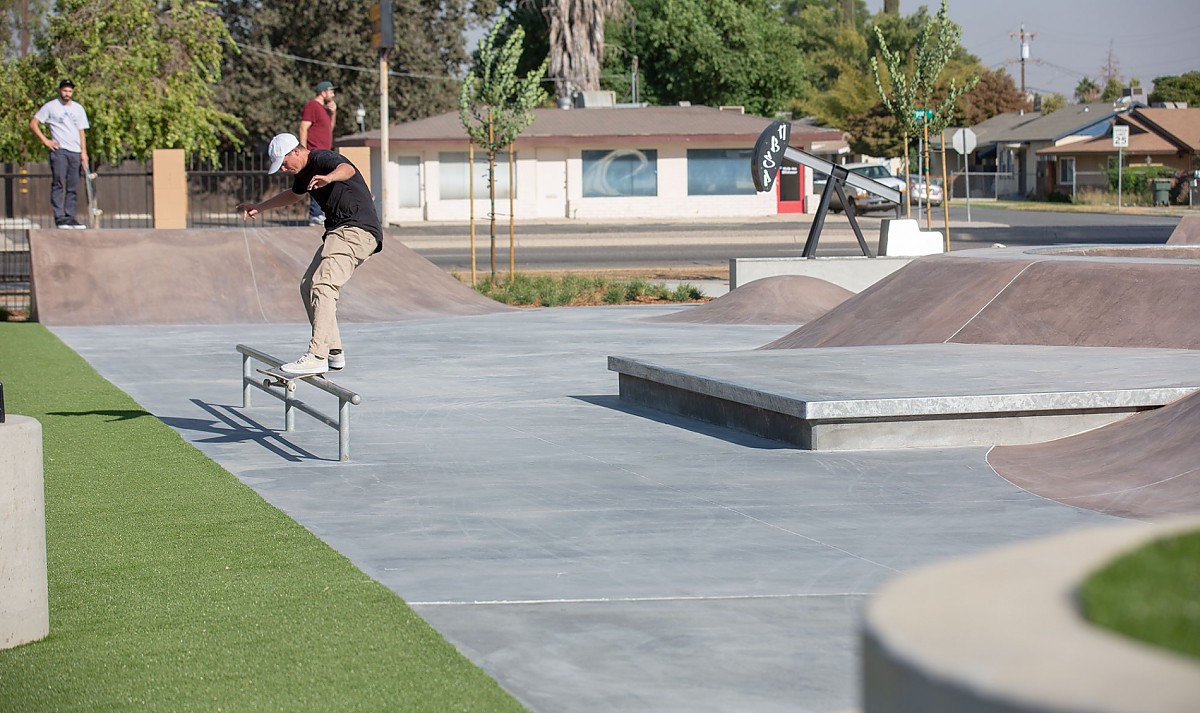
[{"x": 1024, "y": 51}]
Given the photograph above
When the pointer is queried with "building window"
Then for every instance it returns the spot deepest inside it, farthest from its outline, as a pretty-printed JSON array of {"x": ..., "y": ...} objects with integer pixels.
[
  {"x": 454, "y": 179},
  {"x": 1066, "y": 170},
  {"x": 719, "y": 172},
  {"x": 620, "y": 172}
]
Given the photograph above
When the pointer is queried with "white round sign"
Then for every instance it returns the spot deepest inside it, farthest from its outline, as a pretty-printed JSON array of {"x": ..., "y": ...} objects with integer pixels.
[{"x": 963, "y": 141}]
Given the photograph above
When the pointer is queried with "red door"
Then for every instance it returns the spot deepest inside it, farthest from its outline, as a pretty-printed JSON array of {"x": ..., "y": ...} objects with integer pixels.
[{"x": 789, "y": 189}]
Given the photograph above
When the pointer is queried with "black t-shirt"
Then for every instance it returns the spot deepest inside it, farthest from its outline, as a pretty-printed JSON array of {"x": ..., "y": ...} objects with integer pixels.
[{"x": 345, "y": 203}]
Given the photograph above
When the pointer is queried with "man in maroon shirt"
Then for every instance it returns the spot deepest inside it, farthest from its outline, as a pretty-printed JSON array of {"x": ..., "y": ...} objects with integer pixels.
[{"x": 316, "y": 132}]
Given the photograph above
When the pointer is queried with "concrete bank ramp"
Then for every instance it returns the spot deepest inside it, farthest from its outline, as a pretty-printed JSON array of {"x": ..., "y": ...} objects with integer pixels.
[
  {"x": 784, "y": 299},
  {"x": 1187, "y": 232},
  {"x": 1140, "y": 297},
  {"x": 1144, "y": 466},
  {"x": 85, "y": 277}
]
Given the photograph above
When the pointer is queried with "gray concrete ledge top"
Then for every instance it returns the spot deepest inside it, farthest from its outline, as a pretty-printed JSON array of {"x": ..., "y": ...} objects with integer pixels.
[{"x": 868, "y": 382}]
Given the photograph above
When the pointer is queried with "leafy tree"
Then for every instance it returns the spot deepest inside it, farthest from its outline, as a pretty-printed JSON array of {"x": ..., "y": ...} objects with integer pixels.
[
  {"x": 851, "y": 92},
  {"x": 288, "y": 46},
  {"x": 846, "y": 12},
  {"x": 1179, "y": 88},
  {"x": 832, "y": 46},
  {"x": 1087, "y": 90},
  {"x": 713, "y": 52},
  {"x": 1112, "y": 90},
  {"x": 919, "y": 89},
  {"x": 875, "y": 132},
  {"x": 1051, "y": 103},
  {"x": 22, "y": 26},
  {"x": 144, "y": 72},
  {"x": 495, "y": 105},
  {"x": 996, "y": 93}
]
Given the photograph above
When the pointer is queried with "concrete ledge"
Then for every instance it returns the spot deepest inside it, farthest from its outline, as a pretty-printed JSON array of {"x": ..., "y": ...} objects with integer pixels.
[
  {"x": 1000, "y": 633},
  {"x": 904, "y": 237},
  {"x": 854, "y": 273},
  {"x": 910, "y": 396},
  {"x": 24, "y": 590}
]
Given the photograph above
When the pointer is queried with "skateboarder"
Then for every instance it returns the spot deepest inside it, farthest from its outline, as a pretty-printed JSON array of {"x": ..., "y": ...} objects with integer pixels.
[{"x": 353, "y": 233}]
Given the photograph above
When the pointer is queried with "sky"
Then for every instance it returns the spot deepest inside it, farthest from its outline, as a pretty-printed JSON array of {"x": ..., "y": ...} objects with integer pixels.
[{"x": 1147, "y": 38}]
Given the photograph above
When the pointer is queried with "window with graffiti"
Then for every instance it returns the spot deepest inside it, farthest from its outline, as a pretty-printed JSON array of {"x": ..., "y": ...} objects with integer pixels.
[{"x": 620, "y": 172}]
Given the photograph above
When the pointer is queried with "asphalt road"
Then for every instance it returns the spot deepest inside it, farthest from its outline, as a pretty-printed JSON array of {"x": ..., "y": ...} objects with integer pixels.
[{"x": 710, "y": 245}]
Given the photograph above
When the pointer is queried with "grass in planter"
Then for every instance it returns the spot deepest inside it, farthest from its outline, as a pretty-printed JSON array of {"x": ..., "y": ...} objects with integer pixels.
[
  {"x": 579, "y": 290},
  {"x": 1152, "y": 594},
  {"x": 173, "y": 586}
]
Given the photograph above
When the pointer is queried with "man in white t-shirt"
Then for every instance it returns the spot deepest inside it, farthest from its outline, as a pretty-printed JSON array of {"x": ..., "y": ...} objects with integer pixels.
[{"x": 68, "y": 151}]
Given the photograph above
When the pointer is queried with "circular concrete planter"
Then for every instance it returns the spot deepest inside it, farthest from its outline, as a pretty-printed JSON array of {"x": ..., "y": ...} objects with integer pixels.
[{"x": 1001, "y": 632}]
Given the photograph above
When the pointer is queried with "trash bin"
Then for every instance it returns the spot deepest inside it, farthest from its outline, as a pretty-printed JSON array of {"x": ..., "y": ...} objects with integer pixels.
[{"x": 1162, "y": 190}]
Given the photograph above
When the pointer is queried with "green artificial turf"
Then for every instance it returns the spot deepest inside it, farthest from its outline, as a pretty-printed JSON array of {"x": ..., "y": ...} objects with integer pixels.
[
  {"x": 175, "y": 587},
  {"x": 1152, "y": 594}
]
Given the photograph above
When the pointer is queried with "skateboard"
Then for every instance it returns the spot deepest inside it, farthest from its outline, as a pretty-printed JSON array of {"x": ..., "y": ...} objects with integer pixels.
[
  {"x": 93, "y": 212},
  {"x": 283, "y": 378}
]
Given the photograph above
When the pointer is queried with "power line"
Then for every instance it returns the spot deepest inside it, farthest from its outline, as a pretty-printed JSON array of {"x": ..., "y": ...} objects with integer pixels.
[{"x": 338, "y": 65}]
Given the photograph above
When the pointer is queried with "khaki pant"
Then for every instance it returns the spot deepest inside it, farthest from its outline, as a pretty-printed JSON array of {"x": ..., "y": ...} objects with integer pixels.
[{"x": 344, "y": 250}]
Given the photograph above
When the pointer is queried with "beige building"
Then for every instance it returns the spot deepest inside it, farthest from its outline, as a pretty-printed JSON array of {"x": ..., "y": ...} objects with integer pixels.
[{"x": 637, "y": 162}]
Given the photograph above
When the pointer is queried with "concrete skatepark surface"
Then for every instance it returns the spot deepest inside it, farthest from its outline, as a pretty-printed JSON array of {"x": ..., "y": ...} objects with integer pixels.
[
  {"x": 594, "y": 556},
  {"x": 588, "y": 556}
]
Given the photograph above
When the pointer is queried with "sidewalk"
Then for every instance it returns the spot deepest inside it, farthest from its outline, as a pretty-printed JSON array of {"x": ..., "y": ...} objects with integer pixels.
[{"x": 746, "y": 231}]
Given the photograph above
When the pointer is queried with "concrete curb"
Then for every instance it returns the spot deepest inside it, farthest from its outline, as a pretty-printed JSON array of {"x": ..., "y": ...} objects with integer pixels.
[{"x": 1001, "y": 633}]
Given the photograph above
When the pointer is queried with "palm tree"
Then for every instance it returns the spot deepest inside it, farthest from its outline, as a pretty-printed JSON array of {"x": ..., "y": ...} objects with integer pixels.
[
  {"x": 577, "y": 42},
  {"x": 1087, "y": 90}
]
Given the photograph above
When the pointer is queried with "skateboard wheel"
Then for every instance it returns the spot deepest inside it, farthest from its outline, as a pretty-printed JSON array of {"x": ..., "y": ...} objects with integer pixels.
[
  {"x": 267, "y": 383},
  {"x": 291, "y": 386}
]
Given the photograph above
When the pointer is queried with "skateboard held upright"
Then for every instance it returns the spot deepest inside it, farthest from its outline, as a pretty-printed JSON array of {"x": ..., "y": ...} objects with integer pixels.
[{"x": 94, "y": 211}]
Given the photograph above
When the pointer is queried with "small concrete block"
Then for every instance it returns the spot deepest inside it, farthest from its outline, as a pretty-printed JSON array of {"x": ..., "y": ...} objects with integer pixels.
[{"x": 903, "y": 236}]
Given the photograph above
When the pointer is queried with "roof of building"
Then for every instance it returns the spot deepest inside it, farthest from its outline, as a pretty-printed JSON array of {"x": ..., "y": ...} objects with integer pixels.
[
  {"x": 1070, "y": 120},
  {"x": 1180, "y": 126},
  {"x": 609, "y": 125},
  {"x": 1152, "y": 131}
]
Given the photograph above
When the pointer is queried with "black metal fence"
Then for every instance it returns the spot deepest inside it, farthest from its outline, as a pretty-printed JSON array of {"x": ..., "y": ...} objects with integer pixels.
[
  {"x": 124, "y": 198},
  {"x": 214, "y": 189}
]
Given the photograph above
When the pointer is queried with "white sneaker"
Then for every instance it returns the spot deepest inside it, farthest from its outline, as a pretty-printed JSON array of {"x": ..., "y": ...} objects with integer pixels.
[
  {"x": 307, "y": 364},
  {"x": 337, "y": 360},
  {"x": 317, "y": 221}
]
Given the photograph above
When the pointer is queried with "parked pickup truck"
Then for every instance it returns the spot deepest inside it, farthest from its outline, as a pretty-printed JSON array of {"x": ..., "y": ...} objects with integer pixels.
[{"x": 863, "y": 201}]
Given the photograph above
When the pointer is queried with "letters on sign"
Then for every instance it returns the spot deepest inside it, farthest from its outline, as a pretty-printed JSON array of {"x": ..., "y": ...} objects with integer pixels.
[{"x": 768, "y": 155}]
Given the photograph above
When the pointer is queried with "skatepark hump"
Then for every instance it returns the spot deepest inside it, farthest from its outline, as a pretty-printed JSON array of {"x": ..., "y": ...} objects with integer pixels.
[
  {"x": 1071, "y": 296},
  {"x": 227, "y": 276},
  {"x": 783, "y": 299}
]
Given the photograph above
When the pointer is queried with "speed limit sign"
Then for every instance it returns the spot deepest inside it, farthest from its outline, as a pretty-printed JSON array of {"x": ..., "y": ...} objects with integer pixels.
[{"x": 1120, "y": 137}]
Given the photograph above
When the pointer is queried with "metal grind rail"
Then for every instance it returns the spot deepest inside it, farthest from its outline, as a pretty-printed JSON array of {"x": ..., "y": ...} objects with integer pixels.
[{"x": 346, "y": 397}]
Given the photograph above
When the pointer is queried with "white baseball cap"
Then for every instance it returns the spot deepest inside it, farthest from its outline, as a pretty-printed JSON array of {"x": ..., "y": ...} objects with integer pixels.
[{"x": 280, "y": 146}]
